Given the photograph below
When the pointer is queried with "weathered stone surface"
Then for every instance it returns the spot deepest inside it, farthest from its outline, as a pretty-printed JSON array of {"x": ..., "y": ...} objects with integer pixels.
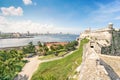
[
  {"x": 95, "y": 67},
  {"x": 91, "y": 68}
]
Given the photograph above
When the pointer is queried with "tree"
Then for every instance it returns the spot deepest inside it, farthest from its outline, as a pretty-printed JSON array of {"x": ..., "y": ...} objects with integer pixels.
[
  {"x": 59, "y": 47},
  {"x": 43, "y": 49},
  {"x": 71, "y": 45},
  {"x": 8, "y": 64},
  {"x": 39, "y": 44},
  {"x": 30, "y": 48},
  {"x": 52, "y": 48},
  {"x": 46, "y": 48}
]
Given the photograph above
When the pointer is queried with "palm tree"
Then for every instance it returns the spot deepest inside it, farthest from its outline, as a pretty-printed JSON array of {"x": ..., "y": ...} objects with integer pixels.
[
  {"x": 39, "y": 44},
  {"x": 8, "y": 62}
]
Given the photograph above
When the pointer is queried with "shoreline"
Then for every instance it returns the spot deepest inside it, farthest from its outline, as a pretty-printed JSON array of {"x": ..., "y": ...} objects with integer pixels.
[
  {"x": 16, "y": 38},
  {"x": 19, "y": 47}
]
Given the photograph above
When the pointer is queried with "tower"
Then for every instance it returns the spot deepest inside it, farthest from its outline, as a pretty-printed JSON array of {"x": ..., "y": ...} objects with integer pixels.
[{"x": 110, "y": 25}]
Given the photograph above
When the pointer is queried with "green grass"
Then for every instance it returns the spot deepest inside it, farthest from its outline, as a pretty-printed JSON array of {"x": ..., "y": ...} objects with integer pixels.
[
  {"x": 61, "y": 53},
  {"x": 47, "y": 57},
  {"x": 51, "y": 56},
  {"x": 60, "y": 69}
]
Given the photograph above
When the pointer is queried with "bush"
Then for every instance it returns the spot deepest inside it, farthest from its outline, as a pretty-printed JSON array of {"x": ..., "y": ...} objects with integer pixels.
[
  {"x": 49, "y": 52},
  {"x": 30, "y": 48}
]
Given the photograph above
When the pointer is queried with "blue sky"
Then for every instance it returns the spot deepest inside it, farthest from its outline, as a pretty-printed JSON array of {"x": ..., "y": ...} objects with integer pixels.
[{"x": 70, "y": 16}]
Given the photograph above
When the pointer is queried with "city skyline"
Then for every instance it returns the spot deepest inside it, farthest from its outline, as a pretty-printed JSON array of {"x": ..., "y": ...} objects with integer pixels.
[{"x": 67, "y": 16}]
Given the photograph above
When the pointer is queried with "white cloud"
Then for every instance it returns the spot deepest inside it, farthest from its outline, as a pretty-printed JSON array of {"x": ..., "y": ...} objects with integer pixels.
[
  {"x": 28, "y": 25},
  {"x": 12, "y": 11},
  {"x": 109, "y": 8},
  {"x": 105, "y": 12},
  {"x": 27, "y": 2}
]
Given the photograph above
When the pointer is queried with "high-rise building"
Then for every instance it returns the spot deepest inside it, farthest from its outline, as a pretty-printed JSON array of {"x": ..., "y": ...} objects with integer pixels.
[{"x": 28, "y": 33}]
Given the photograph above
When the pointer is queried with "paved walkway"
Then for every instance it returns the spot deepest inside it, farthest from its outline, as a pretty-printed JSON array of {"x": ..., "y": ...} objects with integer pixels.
[{"x": 29, "y": 68}]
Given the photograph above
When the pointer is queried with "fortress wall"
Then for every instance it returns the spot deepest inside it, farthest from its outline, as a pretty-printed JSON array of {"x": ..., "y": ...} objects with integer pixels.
[
  {"x": 103, "y": 35},
  {"x": 115, "y": 42},
  {"x": 91, "y": 69}
]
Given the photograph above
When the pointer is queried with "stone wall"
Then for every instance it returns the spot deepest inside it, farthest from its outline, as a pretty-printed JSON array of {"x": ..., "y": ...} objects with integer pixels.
[
  {"x": 108, "y": 39},
  {"x": 114, "y": 47},
  {"x": 90, "y": 68},
  {"x": 101, "y": 41}
]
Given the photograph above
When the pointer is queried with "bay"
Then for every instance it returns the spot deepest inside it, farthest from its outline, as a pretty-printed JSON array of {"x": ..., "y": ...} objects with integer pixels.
[{"x": 43, "y": 38}]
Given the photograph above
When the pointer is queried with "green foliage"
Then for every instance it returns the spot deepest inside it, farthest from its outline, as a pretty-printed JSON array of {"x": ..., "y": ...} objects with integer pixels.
[
  {"x": 10, "y": 64},
  {"x": 39, "y": 44},
  {"x": 49, "y": 52},
  {"x": 46, "y": 48},
  {"x": 71, "y": 45},
  {"x": 56, "y": 47},
  {"x": 60, "y": 69},
  {"x": 5, "y": 35},
  {"x": 52, "y": 48},
  {"x": 61, "y": 50},
  {"x": 68, "y": 47},
  {"x": 59, "y": 47},
  {"x": 30, "y": 48},
  {"x": 43, "y": 49}
]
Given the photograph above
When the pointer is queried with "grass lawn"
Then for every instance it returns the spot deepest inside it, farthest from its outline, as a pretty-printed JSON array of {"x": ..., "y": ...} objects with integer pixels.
[
  {"x": 60, "y": 69},
  {"x": 61, "y": 53},
  {"x": 47, "y": 57},
  {"x": 51, "y": 56}
]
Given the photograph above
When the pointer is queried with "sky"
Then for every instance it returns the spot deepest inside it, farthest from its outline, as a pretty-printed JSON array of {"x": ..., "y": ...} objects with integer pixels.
[{"x": 54, "y": 16}]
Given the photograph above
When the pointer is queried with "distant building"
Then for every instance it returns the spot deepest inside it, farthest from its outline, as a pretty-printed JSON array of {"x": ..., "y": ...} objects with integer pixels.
[
  {"x": 16, "y": 35},
  {"x": 28, "y": 33},
  {"x": 88, "y": 30},
  {"x": 61, "y": 33}
]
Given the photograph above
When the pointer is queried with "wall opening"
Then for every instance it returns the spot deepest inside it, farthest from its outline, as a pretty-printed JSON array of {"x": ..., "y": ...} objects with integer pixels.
[{"x": 92, "y": 46}]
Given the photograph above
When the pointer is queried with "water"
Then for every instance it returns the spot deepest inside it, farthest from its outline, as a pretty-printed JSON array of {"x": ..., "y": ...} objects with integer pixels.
[{"x": 43, "y": 38}]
